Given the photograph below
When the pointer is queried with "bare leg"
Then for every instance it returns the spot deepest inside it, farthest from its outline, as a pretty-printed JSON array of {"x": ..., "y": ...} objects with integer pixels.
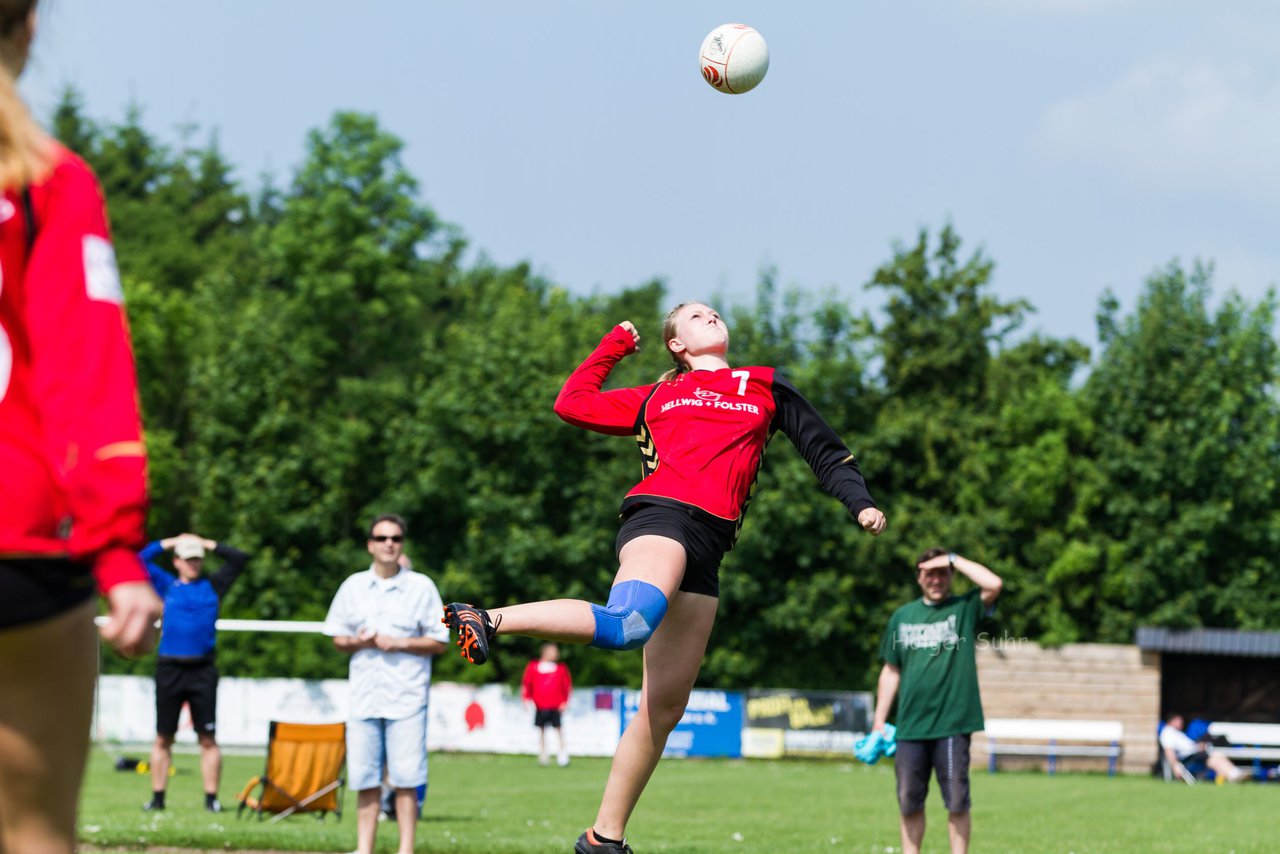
[
  {"x": 561, "y": 620},
  {"x": 563, "y": 756},
  {"x": 912, "y": 832},
  {"x": 958, "y": 826},
  {"x": 407, "y": 817},
  {"x": 671, "y": 662},
  {"x": 1223, "y": 767},
  {"x": 542, "y": 745},
  {"x": 161, "y": 759},
  {"x": 210, "y": 763},
  {"x": 46, "y": 706},
  {"x": 367, "y": 818},
  {"x": 657, "y": 560}
]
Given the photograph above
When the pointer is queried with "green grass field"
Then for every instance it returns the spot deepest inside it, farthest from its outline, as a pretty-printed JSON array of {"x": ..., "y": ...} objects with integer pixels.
[{"x": 480, "y": 803}]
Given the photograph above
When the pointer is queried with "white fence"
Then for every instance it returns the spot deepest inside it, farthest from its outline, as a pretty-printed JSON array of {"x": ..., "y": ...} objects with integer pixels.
[
  {"x": 493, "y": 719},
  {"x": 488, "y": 718},
  {"x": 481, "y": 718}
]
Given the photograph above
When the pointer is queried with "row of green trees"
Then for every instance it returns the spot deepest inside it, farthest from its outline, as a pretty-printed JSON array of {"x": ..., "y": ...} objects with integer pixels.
[{"x": 313, "y": 354}]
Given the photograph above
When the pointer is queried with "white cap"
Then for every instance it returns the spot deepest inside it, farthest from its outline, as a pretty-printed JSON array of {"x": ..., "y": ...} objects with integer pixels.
[{"x": 188, "y": 548}]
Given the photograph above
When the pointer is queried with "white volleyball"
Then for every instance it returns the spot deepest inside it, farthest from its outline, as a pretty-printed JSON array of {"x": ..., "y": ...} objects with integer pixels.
[{"x": 733, "y": 58}]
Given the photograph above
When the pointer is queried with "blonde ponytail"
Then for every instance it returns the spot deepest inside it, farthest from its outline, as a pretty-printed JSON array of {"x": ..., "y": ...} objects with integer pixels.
[
  {"x": 25, "y": 150},
  {"x": 669, "y": 332}
]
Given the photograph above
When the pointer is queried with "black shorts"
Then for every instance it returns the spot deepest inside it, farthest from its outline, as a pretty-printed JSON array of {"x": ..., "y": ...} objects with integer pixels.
[
  {"x": 191, "y": 682},
  {"x": 947, "y": 757},
  {"x": 35, "y": 589},
  {"x": 705, "y": 542},
  {"x": 547, "y": 717}
]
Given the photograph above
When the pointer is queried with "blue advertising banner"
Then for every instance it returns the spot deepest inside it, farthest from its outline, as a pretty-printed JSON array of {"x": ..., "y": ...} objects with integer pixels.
[{"x": 711, "y": 726}]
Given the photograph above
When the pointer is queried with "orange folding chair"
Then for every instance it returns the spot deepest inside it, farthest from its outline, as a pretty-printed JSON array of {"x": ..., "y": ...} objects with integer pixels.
[{"x": 304, "y": 772}]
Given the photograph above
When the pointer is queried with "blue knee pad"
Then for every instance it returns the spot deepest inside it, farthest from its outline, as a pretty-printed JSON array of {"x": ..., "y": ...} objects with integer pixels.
[{"x": 635, "y": 608}]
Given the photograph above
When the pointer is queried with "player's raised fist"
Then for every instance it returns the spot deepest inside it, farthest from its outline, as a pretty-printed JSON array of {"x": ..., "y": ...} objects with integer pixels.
[
  {"x": 872, "y": 521},
  {"x": 630, "y": 327}
]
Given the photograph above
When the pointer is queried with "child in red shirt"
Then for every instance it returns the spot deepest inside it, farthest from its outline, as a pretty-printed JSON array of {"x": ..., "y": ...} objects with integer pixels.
[{"x": 547, "y": 685}]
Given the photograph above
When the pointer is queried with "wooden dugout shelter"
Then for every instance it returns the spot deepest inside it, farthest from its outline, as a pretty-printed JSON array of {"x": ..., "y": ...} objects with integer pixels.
[{"x": 1214, "y": 674}]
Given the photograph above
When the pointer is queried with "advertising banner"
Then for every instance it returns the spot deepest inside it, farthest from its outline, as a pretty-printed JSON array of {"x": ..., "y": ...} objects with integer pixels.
[
  {"x": 805, "y": 723},
  {"x": 488, "y": 718},
  {"x": 126, "y": 708},
  {"x": 711, "y": 726},
  {"x": 493, "y": 719}
]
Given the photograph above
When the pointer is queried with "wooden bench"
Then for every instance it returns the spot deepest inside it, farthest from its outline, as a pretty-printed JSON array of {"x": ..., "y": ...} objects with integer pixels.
[
  {"x": 1042, "y": 737},
  {"x": 1255, "y": 743}
]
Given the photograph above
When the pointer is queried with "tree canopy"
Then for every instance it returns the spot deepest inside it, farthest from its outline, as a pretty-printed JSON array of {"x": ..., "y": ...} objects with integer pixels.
[{"x": 314, "y": 353}]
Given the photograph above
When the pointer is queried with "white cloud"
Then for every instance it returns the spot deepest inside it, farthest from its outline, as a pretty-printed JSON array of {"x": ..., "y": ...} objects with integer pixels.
[{"x": 1175, "y": 125}]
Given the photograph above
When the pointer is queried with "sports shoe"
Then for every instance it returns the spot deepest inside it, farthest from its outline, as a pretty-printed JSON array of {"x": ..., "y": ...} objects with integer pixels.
[
  {"x": 153, "y": 806},
  {"x": 475, "y": 630},
  {"x": 588, "y": 844},
  {"x": 213, "y": 805}
]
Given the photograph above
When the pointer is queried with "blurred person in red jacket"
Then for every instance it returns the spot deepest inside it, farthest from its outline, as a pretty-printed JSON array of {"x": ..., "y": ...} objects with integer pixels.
[
  {"x": 547, "y": 685},
  {"x": 73, "y": 494}
]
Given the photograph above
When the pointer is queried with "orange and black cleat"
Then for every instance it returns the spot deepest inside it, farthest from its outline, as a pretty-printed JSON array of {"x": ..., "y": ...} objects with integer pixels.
[
  {"x": 589, "y": 843},
  {"x": 474, "y": 628}
]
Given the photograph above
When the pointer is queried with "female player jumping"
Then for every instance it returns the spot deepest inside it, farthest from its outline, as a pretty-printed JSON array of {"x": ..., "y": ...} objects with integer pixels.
[{"x": 702, "y": 432}]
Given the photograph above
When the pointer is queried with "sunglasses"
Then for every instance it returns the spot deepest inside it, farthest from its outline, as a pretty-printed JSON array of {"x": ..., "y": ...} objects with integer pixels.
[{"x": 389, "y": 538}]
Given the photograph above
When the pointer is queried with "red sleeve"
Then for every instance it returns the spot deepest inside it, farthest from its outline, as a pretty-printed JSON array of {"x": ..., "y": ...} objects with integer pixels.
[
  {"x": 583, "y": 404},
  {"x": 567, "y": 683},
  {"x": 83, "y": 375},
  {"x": 526, "y": 683}
]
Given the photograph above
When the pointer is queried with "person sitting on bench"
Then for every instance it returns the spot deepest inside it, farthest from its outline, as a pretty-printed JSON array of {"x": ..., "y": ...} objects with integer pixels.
[{"x": 1179, "y": 749}]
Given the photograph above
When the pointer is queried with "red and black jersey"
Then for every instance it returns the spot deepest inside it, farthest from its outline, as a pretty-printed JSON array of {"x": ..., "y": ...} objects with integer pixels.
[
  {"x": 71, "y": 453},
  {"x": 702, "y": 434}
]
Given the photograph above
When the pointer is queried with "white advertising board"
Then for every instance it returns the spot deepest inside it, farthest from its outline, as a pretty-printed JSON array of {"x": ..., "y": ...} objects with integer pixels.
[{"x": 482, "y": 718}]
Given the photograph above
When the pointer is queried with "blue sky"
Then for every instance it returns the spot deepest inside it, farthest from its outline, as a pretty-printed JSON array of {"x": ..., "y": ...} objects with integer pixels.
[{"x": 1079, "y": 143}]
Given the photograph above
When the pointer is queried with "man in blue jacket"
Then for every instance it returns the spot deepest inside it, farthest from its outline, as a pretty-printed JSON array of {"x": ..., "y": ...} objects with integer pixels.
[{"x": 185, "y": 668}]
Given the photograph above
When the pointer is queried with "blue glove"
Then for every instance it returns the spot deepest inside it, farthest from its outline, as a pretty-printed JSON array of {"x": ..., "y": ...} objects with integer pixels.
[
  {"x": 873, "y": 745},
  {"x": 868, "y": 748}
]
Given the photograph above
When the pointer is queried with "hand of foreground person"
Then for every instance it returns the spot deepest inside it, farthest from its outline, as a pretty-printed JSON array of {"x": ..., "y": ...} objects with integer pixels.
[{"x": 134, "y": 611}]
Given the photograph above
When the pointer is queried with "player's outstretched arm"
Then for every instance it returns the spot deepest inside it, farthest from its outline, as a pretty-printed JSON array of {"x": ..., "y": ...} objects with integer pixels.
[{"x": 828, "y": 456}]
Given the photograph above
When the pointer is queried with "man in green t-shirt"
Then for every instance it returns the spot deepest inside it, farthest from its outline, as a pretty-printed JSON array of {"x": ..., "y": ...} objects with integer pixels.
[{"x": 929, "y": 664}]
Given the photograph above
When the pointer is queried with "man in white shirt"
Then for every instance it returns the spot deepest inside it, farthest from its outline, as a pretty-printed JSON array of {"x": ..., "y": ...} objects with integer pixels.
[
  {"x": 390, "y": 620},
  {"x": 1179, "y": 747}
]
